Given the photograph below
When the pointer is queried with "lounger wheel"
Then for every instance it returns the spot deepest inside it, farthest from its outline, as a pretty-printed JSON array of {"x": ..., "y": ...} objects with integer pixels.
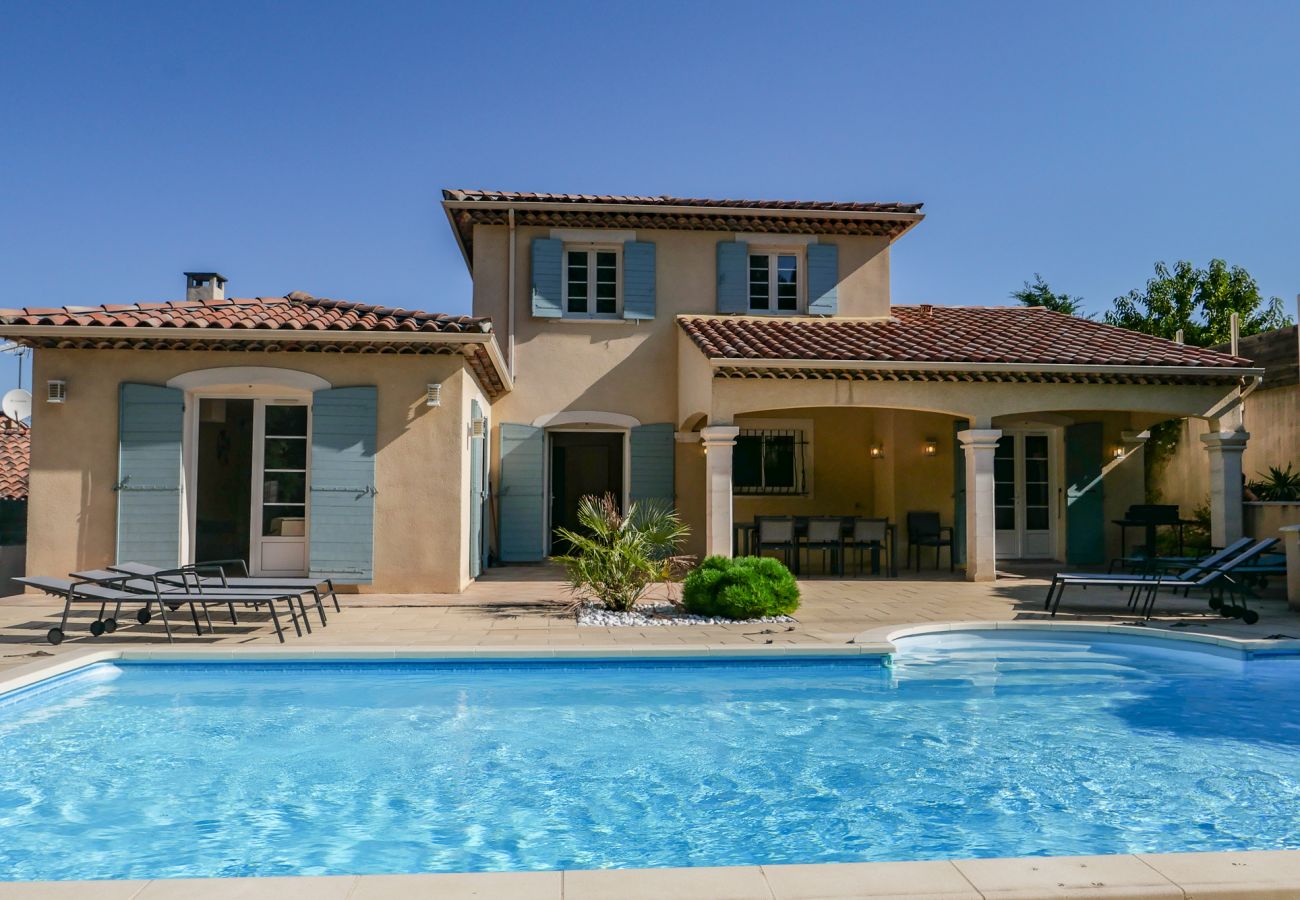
[
  {"x": 97, "y": 628},
  {"x": 110, "y": 625},
  {"x": 1216, "y": 603},
  {"x": 54, "y": 635},
  {"x": 173, "y": 606},
  {"x": 143, "y": 616},
  {"x": 1250, "y": 617}
]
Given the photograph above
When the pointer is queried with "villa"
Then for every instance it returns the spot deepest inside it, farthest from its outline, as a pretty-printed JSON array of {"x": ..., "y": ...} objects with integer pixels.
[{"x": 735, "y": 358}]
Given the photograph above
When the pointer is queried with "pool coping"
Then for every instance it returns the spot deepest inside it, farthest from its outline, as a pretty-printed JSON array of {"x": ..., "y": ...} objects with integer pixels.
[{"x": 1221, "y": 874}]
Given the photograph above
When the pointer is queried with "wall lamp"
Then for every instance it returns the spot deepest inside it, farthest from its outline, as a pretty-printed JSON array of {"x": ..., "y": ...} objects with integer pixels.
[
  {"x": 56, "y": 391},
  {"x": 930, "y": 447},
  {"x": 1118, "y": 452},
  {"x": 876, "y": 451},
  {"x": 433, "y": 395}
]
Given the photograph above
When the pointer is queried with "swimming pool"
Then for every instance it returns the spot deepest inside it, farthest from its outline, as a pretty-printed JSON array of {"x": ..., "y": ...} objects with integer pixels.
[{"x": 971, "y": 745}]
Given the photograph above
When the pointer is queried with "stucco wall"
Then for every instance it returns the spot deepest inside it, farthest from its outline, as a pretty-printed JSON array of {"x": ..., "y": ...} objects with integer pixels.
[
  {"x": 622, "y": 366},
  {"x": 421, "y": 469},
  {"x": 1272, "y": 417}
]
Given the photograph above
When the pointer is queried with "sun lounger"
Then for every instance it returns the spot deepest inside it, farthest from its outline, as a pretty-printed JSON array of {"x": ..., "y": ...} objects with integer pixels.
[
  {"x": 1216, "y": 578},
  {"x": 170, "y": 591},
  {"x": 213, "y": 574},
  {"x": 89, "y": 592}
]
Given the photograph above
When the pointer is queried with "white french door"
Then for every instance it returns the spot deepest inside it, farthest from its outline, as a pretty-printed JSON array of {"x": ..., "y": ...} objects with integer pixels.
[
  {"x": 1024, "y": 495},
  {"x": 281, "y": 473}
]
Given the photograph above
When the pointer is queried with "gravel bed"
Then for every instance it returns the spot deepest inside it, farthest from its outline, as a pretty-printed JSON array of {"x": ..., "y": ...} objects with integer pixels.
[{"x": 657, "y": 615}]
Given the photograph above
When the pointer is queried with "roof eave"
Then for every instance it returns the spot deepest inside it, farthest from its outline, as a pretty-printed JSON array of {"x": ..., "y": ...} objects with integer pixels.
[
  {"x": 776, "y": 212},
  {"x": 1044, "y": 368}
]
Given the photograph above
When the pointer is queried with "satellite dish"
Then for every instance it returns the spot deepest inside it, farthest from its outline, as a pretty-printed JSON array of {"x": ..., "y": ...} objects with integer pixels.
[{"x": 17, "y": 404}]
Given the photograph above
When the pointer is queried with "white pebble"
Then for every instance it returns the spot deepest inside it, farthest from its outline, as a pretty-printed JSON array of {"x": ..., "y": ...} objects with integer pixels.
[{"x": 657, "y": 615}]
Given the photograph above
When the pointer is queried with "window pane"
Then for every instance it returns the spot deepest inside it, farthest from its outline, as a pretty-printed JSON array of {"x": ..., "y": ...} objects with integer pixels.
[
  {"x": 747, "y": 462},
  {"x": 1036, "y": 518},
  {"x": 284, "y": 487},
  {"x": 1005, "y": 518},
  {"x": 778, "y": 461},
  {"x": 286, "y": 420},
  {"x": 1036, "y": 494},
  {"x": 577, "y": 274},
  {"x": 286, "y": 453},
  {"x": 759, "y": 278},
  {"x": 284, "y": 521},
  {"x": 787, "y": 282}
]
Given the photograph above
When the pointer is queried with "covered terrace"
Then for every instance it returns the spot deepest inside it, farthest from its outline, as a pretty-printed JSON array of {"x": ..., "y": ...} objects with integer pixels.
[{"x": 1022, "y": 428}]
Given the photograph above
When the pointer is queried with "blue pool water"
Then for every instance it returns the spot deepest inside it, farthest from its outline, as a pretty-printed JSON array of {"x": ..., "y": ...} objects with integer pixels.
[{"x": 970, "y": 746}]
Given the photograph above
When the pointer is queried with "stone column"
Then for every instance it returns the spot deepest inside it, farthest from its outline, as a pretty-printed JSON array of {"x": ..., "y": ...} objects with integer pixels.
[
  {"x": 718, "y": 443},
  {"x": 1226, "y": 513},
  {"x": 979, "y": 445}
]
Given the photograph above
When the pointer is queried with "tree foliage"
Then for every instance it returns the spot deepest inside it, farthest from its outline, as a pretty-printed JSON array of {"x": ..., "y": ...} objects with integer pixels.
[
  {"x": 1199, "y": 302},
  {"x": 1039, "y": 293}
]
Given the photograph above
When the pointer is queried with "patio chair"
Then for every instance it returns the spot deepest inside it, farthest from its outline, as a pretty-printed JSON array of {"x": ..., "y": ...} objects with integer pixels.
[
  {"x": 868, "y": 534},
  {"x": 777, "y": 533},
  {"x": 826, "y": 533},
  {"x": 924, "y": 530},
  {"x": 1217, "y": 579},
  {"x": 212, "y": 574}
]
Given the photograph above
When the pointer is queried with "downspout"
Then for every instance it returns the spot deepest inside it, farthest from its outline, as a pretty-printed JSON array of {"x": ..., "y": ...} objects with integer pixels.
[{"x": 510, "y": 299}]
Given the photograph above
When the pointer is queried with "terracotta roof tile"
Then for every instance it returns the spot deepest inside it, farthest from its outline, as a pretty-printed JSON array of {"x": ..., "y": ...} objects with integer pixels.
[
  {"x": 664, "y": 200},
  {"x": 295, "y": 312},
  {"x": 946, "y": 334},
  {"x": 15, "y": 458}
]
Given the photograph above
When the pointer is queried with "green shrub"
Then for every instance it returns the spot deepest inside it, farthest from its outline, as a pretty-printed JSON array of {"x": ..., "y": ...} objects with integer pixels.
[{"x": 748, "y": 587}]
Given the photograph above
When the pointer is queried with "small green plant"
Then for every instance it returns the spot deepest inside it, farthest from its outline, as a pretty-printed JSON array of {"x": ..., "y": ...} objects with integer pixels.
[
  {"x": 1278, "y": 484},
  {"x": 748, "y": 587},
  {"x": 616, "y": 556}
]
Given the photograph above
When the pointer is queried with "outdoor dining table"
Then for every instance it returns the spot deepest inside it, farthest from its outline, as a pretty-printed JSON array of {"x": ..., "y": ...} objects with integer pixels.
[{"x": 746, "y": 534}]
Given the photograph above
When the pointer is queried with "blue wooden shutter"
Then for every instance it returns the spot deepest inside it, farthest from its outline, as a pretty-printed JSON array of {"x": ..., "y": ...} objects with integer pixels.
[
  {"x": 638, "y": 280},
  {"x": 548, "y": 257},
  {"x": 653, "y": 449},
  {"x": 476, "y": 495},
  {"x": 823, "y": 279},
  {"x": 343, "y": 484},
  {"x": 150, "y": 425},
  {"x": 1085, "y": 522},
  {"x": 520, "y": 493},
  {"x": 733, "y": 277}
]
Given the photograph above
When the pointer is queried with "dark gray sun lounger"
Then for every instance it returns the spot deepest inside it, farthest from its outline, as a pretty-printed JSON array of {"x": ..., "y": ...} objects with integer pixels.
[
  {"x": 203, "y": 575},
  {"x": 89, "y": 592},
  {"x": 1209, "y": 577},
  {"x": 175, "y": 593}
]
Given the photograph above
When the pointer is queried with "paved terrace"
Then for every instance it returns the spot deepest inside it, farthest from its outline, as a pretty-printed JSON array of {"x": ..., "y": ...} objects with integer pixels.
[{"x": 525, "y": 607}]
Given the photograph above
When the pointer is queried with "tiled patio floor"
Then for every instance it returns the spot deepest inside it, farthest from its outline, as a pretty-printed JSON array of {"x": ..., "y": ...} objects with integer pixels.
[{"x": 524, "y": 606}]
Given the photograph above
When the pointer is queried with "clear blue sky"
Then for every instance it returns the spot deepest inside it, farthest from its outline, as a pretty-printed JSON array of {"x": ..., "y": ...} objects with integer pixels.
[{"x": 301, "y": 146}]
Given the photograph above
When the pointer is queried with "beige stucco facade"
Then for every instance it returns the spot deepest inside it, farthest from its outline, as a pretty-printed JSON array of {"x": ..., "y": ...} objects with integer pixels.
[{"x": 421, "y": 464}]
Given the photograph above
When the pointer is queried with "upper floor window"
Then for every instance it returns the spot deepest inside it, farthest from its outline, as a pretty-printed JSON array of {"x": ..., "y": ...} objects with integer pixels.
[
  {"x": 774, "y": 282},
  {"x": 592, "y": 281}
]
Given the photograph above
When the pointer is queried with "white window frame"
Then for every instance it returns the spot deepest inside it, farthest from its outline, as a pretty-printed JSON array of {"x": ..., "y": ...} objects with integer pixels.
[
  {"x": 591, "y": 249},
  {"x": 801, "y": 277}
]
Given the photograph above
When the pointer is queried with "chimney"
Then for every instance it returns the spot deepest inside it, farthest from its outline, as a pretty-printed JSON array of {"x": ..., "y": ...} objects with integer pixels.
[
  {"x": 927, "y": 311},
  {"x": 202, "y": 286}
]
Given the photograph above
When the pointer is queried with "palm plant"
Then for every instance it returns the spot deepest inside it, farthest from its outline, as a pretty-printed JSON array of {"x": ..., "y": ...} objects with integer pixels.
[
  {"x": 616, "y": 556},
  {"x": 1278, "y": 484}
]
